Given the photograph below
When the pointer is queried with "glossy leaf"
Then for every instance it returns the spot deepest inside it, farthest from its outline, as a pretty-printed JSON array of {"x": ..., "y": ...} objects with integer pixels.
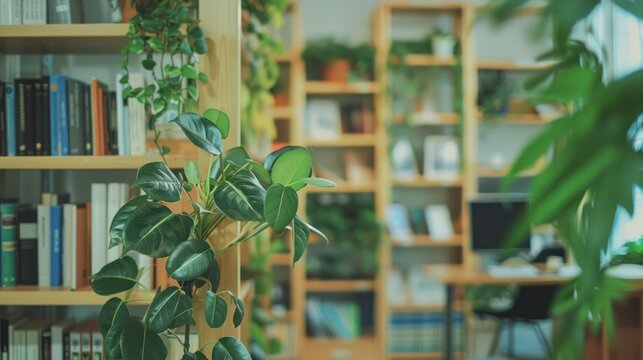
[
  {"x": 183, "y": 313},
  {"x": 317, "y": 231},
  {"x": 220, "y": 119},
  {"x": 190, "y": 259},
  {"x": 233, "y": 159},
  {"x": 270, "y": 160},
  {"x": 572, "y": 85},
  {"x": 319, "y": 182},
  {"x": 300, "y": 235},
  {"x": 280, "y": 206},
  {"x": 154, "y": 231},
  {"x": 112, "y": 341},
  {"x": 241, "y": 197},
  {"x": 161, "y": 311},
  {"x": 112, "y": 313},
  {"x": 201, "y": 132},
  {"x": 121, "y": 218},
  {"x": 140, "y": 343},
  {"x": 158, "y": 182},
  {"x": 229, "y": 348},
  {"x": 260, "y": 172},
  {"x": 292, "y": 167},
  {"x": 115, "y": 277},
  {"x": 193, "y": 91},
  {"x": 213, "y": 274},
  {"x": 158, "y": 106},
  {"x": 188, "y": 71},
  {"x": 203, "y": 78},
  {"x": 192, "y": 172},
  {"x": 239, "y": 310},
  {"x": 216, "y": 309}
]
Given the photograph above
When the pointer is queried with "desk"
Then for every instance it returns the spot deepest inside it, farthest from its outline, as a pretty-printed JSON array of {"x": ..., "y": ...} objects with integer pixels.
[{"x": 459, "y": 275}]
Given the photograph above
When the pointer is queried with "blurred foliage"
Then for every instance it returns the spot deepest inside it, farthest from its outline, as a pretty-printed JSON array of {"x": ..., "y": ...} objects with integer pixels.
[
  {"x": 259, "y": 71},
  {"x": 630, "y": 253},
  {"x": 594, "y": 171},
  {"x": 321, "y": 51},
  {"x": 494, "y": 91}
]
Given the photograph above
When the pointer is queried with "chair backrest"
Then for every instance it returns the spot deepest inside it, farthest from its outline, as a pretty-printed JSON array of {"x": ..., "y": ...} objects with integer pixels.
[{"x": 533, "y": 302}]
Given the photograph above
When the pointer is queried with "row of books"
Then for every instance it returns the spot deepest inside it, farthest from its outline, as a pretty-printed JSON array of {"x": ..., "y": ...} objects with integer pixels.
[
  {"x": 414, "y": 286},
  {"x": 35, "y": 12},
  {"x": 422, "y": 332},
  {"x": 58, "y": 243},
  {"x": 341, "y": 320},
  {"x": 328, "y": 119},
  {"x": 22, "y": 338},
  {"x": 57, "y": 115}
]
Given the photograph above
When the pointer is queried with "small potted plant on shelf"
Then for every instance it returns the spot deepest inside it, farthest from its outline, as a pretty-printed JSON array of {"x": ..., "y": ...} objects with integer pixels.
[
  {"x": 443, "y": 43},
  {"x": 232, "y": 188},
  {"x": 332, "y": 60}
]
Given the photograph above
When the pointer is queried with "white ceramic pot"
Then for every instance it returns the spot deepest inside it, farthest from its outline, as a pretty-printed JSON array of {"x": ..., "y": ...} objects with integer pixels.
[{"x": 443, "y": 46}]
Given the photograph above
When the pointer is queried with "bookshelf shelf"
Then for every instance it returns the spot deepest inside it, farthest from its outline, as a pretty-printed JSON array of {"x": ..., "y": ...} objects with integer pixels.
[
  {"x": 285, "y": 112},
  {"x": 339, "y": 285},
  {"x": 62, "y": 38},
  {"x": 515, "y": 119},
  {"x": 427, "y": 241},
  {"x": 430, "y": 119},
  {"x": 345, "y": 187},
  {"x": 418, "y": 60},
  {"x": 346, "y": 140},
  {"x": 421, "y": 182},
  {"x": 410, "y": 6},
  {"x": 506, "y": 65},
  {"x": 36, "y": 296},
  {"x": 422, "y": 356},
  {"x": 491, "y": 172},
  {"x": 413, "y": 308},
  {"x": 330, "y": 88},
  {"x": 281, "y": 259},
  {"x": 86, "y": 162},
  {"x": 286, "y": 57}
]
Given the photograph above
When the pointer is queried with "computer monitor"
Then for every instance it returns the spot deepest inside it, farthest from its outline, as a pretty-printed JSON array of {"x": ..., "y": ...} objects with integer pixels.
[{"x": 493, "y": 219}]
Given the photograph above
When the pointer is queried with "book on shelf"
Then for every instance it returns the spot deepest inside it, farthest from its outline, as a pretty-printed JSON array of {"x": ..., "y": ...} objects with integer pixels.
[
  {"x": 34, "y": 12},
  {"x": 333, "y": 319},
  {"x": 8, "y": 239},
  {"x": 3, "y": 119},
  {"x": 28, "y": 246},
  {"x": 10, "y": 119},
  {"x": 422, "y": 332},
  {"x": 64, "y": 11},
  {"x": 11, "y": 12}
]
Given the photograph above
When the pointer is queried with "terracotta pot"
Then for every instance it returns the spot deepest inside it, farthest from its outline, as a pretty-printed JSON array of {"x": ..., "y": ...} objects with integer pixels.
[
  {"x": 281, "y": 99},
  {"x": 337, "y": 70}
]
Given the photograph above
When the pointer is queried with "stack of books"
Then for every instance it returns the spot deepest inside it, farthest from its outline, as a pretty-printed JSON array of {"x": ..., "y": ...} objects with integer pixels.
[
  {"x": 39, "y": 12},
  {"x": 422, "y": 332},
  {"x": 57, "y": 115},
  {"x": 340, "y": 320}
]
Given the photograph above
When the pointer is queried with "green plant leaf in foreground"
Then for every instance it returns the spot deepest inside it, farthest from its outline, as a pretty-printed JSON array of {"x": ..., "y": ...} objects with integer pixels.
[
  {"x": 140, "y": 343},
  {"x": 281, "y": 206},
  {"x": 115, "y": 277},
  {"x": 292, "y": 167},
  {"x": 220, "y": 119},
  {"x": 183, "y": 312},
  {"x": 121, "y": 218},
  {"x": 189, "y": 260},
  {"x": 241, "y": 197},
  {"x": 201, "y": 132},
  {"x": 161, "y": 311},
  {"x": 192, "y": 172},
  {"x": 158, "y": 181},
  {"x": 300, "y": 235},
  {"x": 216, "y": 309},
  {"x": 229, "y": 348},
  {"x": 319, "y": 182},
  {"x": 114, "y": 312}
]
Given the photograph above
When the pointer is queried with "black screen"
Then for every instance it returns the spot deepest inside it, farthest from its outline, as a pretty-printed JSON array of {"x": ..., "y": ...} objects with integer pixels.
[{"x": 492, "y": 221}]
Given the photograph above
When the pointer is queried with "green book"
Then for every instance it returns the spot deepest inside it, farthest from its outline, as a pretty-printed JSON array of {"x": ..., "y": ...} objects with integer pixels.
[{"x": 8, "y": 239}]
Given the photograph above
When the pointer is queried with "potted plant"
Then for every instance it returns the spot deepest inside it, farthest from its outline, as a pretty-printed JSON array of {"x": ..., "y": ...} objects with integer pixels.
[
  {"x": 443, "y": 43},
  {"x": 233, "y": 188},
  {"x": 332, "y": 60}
]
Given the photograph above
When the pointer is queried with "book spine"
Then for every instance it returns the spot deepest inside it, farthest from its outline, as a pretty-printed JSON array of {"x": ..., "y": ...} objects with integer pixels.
[
  {"x": 45, "y": 345},
  {"x": 44, "y": 245},
  {"x": 21, "y": 119},
  {"x": 76, "y": 145},
  {"x": 15, "y": 12},
  {"x": 3, "y": 120},
  {"x": 63, "y": 116},
  {"x": 10, "y": 112},
  {"x": 86, "y": 345},
  {"x": 80, "y": 260},
  {"x": 66, "y": 346},
  {"x": 58, "y": 12},
  {"x": 120, "y": 119},
  {"x": 69, "y": 234},
  {"x": 4, "y": 339},
  {"x": 8, "y": 238},
  {"x": 30, "y": 117},
  {"x": 54, "y": 129},
  {"x": 87, "y": 120},
  {"x": 97, "y": 346},
  {"x": 75, "y": 348},
  {"x": 98, "y": 227},
  {"x": 28, "y": 247},
  {"x": 136, "y": 118},
  {"x": 38, "y": 128},
  {"x": 56, "y": 245},
  {"x": 113, "y": 126},
  {"x": 95, "y": 117},
  {"x": 45, "y": 118}
]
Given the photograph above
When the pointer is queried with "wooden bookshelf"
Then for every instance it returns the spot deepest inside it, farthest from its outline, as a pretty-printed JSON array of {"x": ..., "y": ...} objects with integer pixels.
[
  {"x": 286, "y": 57},
  {"x": 437, "y": 355},
  {"x": 515, "y": 119},
  {"x": 427, "y": 241},
  {"x": 331, "y": 88},
  {"x": 36, "y": 296},
  {"x": 339, "y": 285},
  {"x": 324, "y": 349},
  {"x": 506, "y": 65},
  {"x": 62, "y": 38},
  {"x": 412, "y": 307},
  {"x": 345, "y": 187},
  {"x": 87, "y": 162},
  {"x": 492, "y": 172},
  {"x": 285, "y": 112},
  {"x": 345, "y": 140},
  {"x": 281, "y": 259},
  {"x": 422, "y": 182},
  {"x": 418, "y": 60}
]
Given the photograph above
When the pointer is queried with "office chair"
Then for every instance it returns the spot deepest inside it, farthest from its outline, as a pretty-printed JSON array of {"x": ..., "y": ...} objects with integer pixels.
[{"x": 531, "y": 305}]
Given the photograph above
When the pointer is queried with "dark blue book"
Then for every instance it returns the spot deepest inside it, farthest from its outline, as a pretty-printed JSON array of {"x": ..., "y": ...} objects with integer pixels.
[
  {"x": 10, "y": 101},
  {"x": 55, "y": 135},
  {"x": 59, "y": 115},
  {"x": 56, "y": 245}
]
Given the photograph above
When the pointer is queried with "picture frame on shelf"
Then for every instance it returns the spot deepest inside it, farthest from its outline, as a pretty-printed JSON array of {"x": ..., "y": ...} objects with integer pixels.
[
  {"x": 323, "y": 119},
  {"x": 399, "y": 224},
  {"x": 357, "y": 167},
  {"x": 403, "y": 161},
  {"x": 441, "y": 157},
  {"x": 439, "y": 222}
]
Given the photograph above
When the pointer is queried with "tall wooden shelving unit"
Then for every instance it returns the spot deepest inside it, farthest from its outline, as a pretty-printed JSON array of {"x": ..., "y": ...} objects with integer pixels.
[{"x": 221, "y": 23}]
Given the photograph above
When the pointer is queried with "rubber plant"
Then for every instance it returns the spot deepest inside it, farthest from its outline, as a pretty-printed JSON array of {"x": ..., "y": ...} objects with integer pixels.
[{"x": 232, "y": 188}]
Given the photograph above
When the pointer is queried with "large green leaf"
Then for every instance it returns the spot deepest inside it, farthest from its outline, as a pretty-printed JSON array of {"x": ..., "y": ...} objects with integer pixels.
[
  {"x": 112, "y": 341},
  {"x": 572, "y": 85},
  {"x": 154, "y": 231},
  {"x": 319, "y": 182},
  {"x": 183, "y": 313},
  {"x": 190, "y": 259},
  {"x": 236, "y": 156},
  {"x": 113, "y": 312},
  {"x": 161, "y": 311},
  {"x": 158, "y": 181},
  {"x": 121, "y": 218},
  {"x": 281, "y": 206},
  {"x": 216, "y": 309},
  {"x": 241, "y": 197},
  {"x": 192, "y": 172},
  {"x": 229, "y": 348},
  {"x": 300, "y": 234},
  {"x": 239, "y": 310},
  {"x": 220, "y": 119},
  {"x": 292, "y": 167},
  {"x": 316, "y": 231},
  {"x": 140, "y": 343},
  {"x": 117, "y": 276},
  {"x": 260, "y": 172},
  {"x": 201, "y": 132},
  {"x": 213, "y": 274},
  {"x": 270, "y": 160}
]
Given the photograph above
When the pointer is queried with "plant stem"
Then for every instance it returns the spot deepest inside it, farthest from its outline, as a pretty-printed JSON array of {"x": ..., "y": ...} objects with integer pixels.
[
  {"x": 207, "y": 175},
  {"x": 186, "y": 343},
  {"x": 157, "y": 134}
]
